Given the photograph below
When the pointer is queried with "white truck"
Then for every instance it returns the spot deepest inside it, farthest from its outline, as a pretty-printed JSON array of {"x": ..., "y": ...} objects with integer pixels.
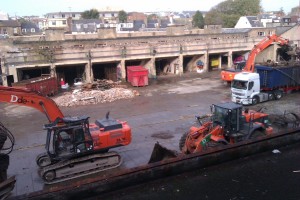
[{"x": 268, "y": 83}]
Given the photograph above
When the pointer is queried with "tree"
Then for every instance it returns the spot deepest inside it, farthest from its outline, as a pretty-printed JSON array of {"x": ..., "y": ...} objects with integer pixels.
[
  {"x": 227, "y": 13},
  {"x": 152, "y": 17},
  {"x": 122, "y": 16},
  {"x": 198, "y": 20},
  {"x": 90, "y": 14}
]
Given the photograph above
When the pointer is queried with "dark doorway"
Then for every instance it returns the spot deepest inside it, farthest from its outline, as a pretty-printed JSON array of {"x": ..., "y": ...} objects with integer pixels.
[
  {"x": 28, "y": 73},
  {"x": 105, "y": 71},
  {"x": 69, "y": 73}
]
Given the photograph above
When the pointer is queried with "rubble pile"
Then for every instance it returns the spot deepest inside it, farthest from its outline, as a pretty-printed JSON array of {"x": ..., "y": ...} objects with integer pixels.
[
  {"x": 102, "y": 84},
  {"x": 101, "y": 91}
]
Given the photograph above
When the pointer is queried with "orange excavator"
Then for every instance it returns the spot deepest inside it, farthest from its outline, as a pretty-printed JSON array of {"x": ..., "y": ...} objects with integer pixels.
[
  {"x": 228, "y": 124},
  {"x": 227, "y": 75},
  {"x": 74, "y": 147}
]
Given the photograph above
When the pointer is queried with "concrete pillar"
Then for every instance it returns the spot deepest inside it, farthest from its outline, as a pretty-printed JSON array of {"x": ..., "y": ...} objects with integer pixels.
[
  {"x": 123, "y": 69},
  {"x": 88, "y": 72},
  {"x": 180, "y": 65},
  {"x": 150, "y": 65},
  {"x": 206, "y": 61},
  {"x": 53, "y": 70},
  {"x": 229, "y": 60},
  {"x": 220, "y": 62},
  {"x": 276, "y": 46}
]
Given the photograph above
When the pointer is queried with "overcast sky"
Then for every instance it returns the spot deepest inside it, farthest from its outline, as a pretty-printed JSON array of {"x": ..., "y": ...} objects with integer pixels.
[{"x": 39, "y": 7}]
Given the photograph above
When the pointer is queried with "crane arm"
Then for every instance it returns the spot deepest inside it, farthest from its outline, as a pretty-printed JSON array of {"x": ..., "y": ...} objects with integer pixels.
[
  {"x": 23, "y": 97},
  {"x": 249, "y": 67}
]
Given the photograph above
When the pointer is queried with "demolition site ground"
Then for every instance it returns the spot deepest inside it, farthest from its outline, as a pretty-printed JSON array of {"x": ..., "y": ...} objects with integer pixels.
[{"x": 162, "y": 112}]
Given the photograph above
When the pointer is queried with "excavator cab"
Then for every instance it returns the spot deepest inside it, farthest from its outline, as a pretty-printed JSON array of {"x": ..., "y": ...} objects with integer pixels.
[
  {"x": 68, "y": 139},
  {"x": 229, "y": 116}
]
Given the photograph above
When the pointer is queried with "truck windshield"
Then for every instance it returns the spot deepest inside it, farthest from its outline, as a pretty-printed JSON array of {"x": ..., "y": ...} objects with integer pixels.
[{"x": 239, "y": 84}]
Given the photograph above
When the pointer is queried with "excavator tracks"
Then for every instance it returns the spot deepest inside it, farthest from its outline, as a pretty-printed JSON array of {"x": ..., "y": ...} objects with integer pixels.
[{"x": 74, "y": 168}]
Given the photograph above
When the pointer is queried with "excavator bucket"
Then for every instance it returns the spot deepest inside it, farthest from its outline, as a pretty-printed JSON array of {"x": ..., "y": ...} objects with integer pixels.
[{"x": 161, "y": 153}]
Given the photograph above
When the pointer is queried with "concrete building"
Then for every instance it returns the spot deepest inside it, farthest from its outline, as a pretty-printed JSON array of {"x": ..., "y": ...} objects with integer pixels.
[
  {"x": 100, "y": 55},
  {"x": 86, "y": 25},
  {"x": 61, "y": 20},
  {"x": 10, "y": 27},
  {"x": 30, "y": 28}
]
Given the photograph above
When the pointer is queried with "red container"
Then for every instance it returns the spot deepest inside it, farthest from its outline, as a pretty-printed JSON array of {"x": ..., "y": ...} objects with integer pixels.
[
  {"x": 44, "y": 85},
  {"x": 137, "y": 75}
]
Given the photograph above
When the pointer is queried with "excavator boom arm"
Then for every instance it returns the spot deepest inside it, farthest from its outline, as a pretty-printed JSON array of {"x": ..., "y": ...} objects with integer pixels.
[
  {"x": 249, "y": 67},
  {"x": 28, "y": 98}
]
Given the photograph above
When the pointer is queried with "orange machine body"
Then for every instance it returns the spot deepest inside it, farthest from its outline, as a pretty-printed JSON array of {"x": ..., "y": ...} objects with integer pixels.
[{"x": 228, "y": 74}]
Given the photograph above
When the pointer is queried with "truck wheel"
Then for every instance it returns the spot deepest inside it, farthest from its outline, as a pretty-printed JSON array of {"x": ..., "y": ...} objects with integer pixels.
[
  {"x": 271, "y": 96},
  {"x": 257, "y": 134},
  {"x": 255, "y": 100},
  {"x": 182, "y": 141},
  {"x": 278, "y": 95}
]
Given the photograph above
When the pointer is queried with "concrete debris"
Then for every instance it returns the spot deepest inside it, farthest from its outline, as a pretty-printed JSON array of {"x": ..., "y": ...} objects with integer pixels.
[
  {"x": 100, "y": 91},
  {"x": 276, "y": 151}
]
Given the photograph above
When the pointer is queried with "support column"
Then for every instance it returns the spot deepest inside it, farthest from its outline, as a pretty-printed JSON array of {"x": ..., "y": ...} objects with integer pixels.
[
  {"x": 229, "y": 60},
  {"x": 150, "y": 65},
  {"x": 206, "y": 61},
  {"x": 3, "y": 71},
  {"x": 88, "y": 72},
  {"x": 53, "y": 70},
  {"x": 180, "y": 65},
  {"x": 220, "y": 62},
  {"x": 123, "y": 69}
]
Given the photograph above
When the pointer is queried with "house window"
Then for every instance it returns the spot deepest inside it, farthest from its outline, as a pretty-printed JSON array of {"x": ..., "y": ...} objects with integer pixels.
[
  {"x": 23, "y": 30},
  {"x": 54, "y": 23},
  {"x": 15, "y": 30},
  {"x": 113, "y": 14},
  {"x": 63, "y": 16},
  {"x": 32, "y": 30},
  {"x": 261, "y": 33},
  {"x": 73, "y": 15},
  {"x": 64, "y": 22},
  {"x": 4, "y": 31}
]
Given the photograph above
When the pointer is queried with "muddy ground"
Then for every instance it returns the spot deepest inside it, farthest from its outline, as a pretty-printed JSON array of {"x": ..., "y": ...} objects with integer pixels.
[{"x": 162, "y": 113}]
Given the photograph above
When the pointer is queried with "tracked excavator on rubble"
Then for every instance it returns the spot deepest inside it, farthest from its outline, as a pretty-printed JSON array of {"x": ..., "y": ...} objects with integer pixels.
[
  {"x": 227, "y": 124},
  {"x": 74, "y": 147},
  {"x": 227, "y": 75}
]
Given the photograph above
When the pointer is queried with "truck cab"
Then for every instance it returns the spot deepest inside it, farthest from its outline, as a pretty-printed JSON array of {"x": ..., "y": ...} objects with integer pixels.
[{"x": 245, "y": 87}]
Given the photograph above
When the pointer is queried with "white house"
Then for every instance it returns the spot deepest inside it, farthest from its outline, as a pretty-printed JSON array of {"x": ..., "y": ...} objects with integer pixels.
[{"x": 248, "y": 22}]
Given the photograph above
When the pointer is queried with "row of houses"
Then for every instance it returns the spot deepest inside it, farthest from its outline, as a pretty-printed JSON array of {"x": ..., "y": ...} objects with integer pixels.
[
  {"x": 136, "y": 21},
  {"x": 72, "y": 22},
  {"x": 271, "y": 19}
]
